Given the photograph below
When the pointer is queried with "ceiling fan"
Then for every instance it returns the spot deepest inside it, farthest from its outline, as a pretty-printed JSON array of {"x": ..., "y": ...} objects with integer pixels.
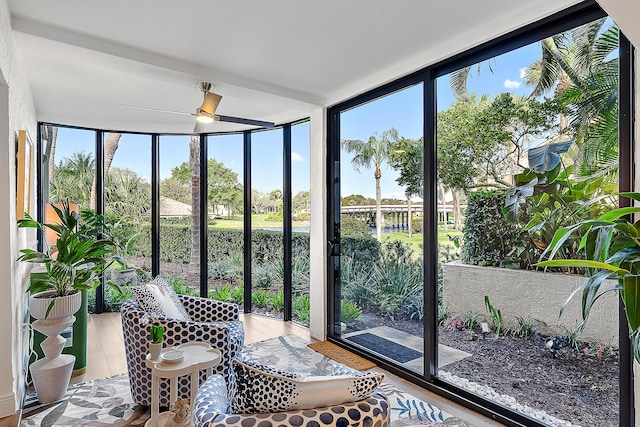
[{"x": 206, "y": 113}]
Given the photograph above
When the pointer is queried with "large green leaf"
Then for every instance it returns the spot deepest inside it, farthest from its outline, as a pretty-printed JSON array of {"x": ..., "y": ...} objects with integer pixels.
[
  {"x": 582, "y": 263},
  {"x": 631, "y": 298}
]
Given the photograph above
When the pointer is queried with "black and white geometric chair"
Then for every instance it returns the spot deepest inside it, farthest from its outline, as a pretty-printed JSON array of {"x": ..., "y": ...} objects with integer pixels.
[{"x": 211, "y": 321}]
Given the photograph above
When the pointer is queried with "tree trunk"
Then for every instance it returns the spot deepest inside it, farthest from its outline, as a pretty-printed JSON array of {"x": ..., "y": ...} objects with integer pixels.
[
  {"x": 194, "y": 161},
  {"x": 409, "y": 225},
  {"x": 457, "y": 212},
  {"x": 110, "y": 148},
  {"x": 378, "y": 210},
  {"x": 444, "y": 207},
  {"x": 49, "y": 157}
]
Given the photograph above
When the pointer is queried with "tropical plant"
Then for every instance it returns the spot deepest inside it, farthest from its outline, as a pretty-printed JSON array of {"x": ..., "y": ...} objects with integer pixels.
[
  {"x": 495, "y": 315},
  {"x": 276, "y": 301},
  {"x": 301, "y": 309},
  {"x": 611, "y": 246},
  {"x": 82, "y": 251},
  {"x": 157, "y": 334},
  {"x": 373, "y": 153},
  {"x": 580, "y": 65},
  {"x": 259, "y": 298}
]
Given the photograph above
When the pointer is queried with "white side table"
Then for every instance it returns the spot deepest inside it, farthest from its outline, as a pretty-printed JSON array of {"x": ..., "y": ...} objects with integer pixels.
[{"x": 198, "y": 356}]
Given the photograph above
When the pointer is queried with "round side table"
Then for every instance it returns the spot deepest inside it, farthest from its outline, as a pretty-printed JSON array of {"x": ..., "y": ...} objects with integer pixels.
[{"x": 198, "y": 356}]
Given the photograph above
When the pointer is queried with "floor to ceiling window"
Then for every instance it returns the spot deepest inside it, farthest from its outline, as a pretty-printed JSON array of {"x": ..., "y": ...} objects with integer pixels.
[
  {"x": 300, "y": 216},
  {"x": 521, "y": 141},
  {"x": 225, "y": 192},
  {"x": 381, "y": 272}
]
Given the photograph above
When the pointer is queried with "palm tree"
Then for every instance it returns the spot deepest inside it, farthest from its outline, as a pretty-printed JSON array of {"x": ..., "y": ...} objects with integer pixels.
[
  {"x": 372, "y": 153},
  {"x": 581, "y": 68},
  {"x": 194, "y": 161},
  {"x": 73, "y": 178}
]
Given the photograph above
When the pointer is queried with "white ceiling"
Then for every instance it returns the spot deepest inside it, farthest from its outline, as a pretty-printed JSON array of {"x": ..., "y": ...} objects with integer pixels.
[{"x": 273, "y": 60}]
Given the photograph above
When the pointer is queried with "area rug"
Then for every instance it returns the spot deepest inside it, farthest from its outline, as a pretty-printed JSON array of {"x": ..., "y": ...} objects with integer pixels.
[
  {"x": 108, "y": 402},
  {"x": 105, "y": 402},
  {"x": 341, "y": 355}
]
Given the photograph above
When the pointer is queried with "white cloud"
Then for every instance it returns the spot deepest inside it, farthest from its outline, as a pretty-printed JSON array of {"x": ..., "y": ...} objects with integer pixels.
[
  {"x": 511, "y": 84},
  {"x": 523, "y": 71},
  {"x": 296, "y": 157}
]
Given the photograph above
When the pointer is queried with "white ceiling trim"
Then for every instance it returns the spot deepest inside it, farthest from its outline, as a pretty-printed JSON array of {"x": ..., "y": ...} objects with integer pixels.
[{"x": 195, "y": 71}]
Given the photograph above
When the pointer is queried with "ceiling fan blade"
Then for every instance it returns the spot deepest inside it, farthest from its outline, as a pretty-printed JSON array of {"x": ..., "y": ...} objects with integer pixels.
[
  {"x": 199, "y": 127},
  {"x": 244, "y": 121},
  {"x": 140, "y": 107}
]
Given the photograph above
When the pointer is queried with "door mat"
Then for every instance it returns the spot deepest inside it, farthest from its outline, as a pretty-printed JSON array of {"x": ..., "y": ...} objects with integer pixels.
[
  {"x": 341, "y": 355},
  {"x": 385, "y": 347}
]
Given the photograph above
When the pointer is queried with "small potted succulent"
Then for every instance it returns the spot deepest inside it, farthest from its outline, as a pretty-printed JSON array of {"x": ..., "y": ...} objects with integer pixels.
[{"x": 156, "y": 334}]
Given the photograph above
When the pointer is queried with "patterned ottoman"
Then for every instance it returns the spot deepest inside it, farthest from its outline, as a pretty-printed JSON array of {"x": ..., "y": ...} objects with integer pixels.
[{"x": 211, "y": 409}]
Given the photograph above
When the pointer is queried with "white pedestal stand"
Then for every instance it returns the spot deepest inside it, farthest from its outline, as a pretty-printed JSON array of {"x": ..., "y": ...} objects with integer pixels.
[{"x": 51, "y": 374}]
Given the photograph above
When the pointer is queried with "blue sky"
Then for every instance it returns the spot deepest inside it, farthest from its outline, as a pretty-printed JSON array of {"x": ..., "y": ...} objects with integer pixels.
[{"x": 402, "y": 110}]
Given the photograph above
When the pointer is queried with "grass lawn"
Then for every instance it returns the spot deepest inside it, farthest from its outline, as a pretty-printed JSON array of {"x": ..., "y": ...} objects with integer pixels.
[
  {"x": 416, "y": 240},
  {"x": 257, "y": 221}
]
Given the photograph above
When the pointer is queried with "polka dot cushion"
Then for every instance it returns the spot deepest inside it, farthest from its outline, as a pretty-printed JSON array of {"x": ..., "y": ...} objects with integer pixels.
[
  {"x": 211, "y": 409},
  {"x": 220, "y": 328},
  {"x": 260, "y": 389},
  {"x": 159, "y": 299}
]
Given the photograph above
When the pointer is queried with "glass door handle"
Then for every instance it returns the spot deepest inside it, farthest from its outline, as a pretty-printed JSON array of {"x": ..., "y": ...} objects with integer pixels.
[{"x": 333, "y": 249}]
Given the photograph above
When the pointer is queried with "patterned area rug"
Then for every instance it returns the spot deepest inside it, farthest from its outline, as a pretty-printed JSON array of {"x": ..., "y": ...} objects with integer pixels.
[{"x": 108, "y": 402}]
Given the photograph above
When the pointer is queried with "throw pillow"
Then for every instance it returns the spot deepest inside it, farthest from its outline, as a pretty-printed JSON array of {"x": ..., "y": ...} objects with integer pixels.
[
  {"x": 158, "y": 298},
  {"x": 260, "y": 389}
]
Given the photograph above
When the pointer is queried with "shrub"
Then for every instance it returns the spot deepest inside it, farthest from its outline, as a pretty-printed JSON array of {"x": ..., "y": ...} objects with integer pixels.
[
  {"x": 259, "y": 298},
  {"x": 490, "y": 240},
  {"x": 181, "y": 287},
  {"x": 349, "y": 312},
  {"x": 351, "y": 226},
  {"x": 301, "y": 309},
  {"x": 276, "y": 301},
  {"x": 302, "y": 217},
  {"x": 274, "y": 216},
  {"x": 222, "y": 293},
  {"x": 416, "y": 224}
]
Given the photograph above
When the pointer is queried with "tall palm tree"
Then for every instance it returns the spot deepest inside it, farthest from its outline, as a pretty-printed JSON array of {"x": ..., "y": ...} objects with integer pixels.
[
  {"x": 194, "y": 161},
  {"x": 372, "y": 153},
  {"x": 581, "y": 67}
]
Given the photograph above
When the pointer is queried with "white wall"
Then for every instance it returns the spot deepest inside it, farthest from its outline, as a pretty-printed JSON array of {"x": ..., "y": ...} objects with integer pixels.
[
  {"x": 318, "y": 231},
  {"x": 17, "y": 112},
  {"x": 625, "y": 14}
]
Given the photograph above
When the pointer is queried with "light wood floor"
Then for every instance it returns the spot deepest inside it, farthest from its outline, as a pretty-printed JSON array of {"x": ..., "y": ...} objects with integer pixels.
[{"x": 105, "y": 358}]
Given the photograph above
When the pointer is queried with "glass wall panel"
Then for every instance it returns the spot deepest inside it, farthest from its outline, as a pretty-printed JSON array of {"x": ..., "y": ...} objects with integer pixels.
[
  {"x": 225, "y": 192},
  {"x": 517, "y": 158},
  {"x": 300, "y": 207},
  {"x": 127, "y": 208},
  {"x": 267, "y": 223},
  {"x": 380, "y": 291},
  {"x": 180, "y": 212}
]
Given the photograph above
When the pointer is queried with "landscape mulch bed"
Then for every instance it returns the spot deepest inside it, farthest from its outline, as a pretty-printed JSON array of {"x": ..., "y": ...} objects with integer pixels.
[{"x": 571, "y": 386}]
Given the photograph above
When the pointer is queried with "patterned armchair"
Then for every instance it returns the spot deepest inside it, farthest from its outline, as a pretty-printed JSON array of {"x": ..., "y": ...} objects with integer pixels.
[
  {"x": 213, "y": 321},
  {"x": 211, "y": 409}
]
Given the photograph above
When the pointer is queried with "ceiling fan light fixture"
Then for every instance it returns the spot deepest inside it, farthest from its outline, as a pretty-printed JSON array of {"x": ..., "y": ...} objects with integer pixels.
[{"x": 205, "y": 114}]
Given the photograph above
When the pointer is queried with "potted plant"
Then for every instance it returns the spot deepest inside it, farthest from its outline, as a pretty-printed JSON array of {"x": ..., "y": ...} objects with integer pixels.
[
  {"x": 73, "y": 263},
  {"x": 611, "y": 244}
]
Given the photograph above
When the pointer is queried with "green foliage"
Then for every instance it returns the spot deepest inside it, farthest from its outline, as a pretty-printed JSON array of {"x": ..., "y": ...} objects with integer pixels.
[
  {"x": 351, "y": 226},
  {"x": 302, "y": 217},
  {"x": 301, "y": 309},
  {"x": 416, "y": 224},
  {"x": 611, "y": 246},
  {"x": 259, "y": 298},
  {"x": 157, "y": 334},
  {"x": 488, "y": 239},
  {"x": 222, "y": 293},
  {"x": 274, "y": 216},
  {"x": 349, "y": 312},
  {"x": 181, "y": 287},
  {"x": 523, "y": 328},
  {"x": 444, "y": 312},
  {"x": 472, "y": 319},
  {"x": 357, "y": 200},
  {"x": 495, "y": 315},
  {"x": 571, "y": 338},
  {"x": 83, "y": 250},
  {"x": 276, "y": 301},
  {"x": 405, "y": 156}
]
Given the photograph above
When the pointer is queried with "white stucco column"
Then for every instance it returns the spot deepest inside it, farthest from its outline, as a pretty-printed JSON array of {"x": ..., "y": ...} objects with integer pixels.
[{"x": 318, "y": 233}]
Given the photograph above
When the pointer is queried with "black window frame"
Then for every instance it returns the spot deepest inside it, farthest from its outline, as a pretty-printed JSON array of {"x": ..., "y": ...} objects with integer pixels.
[{"x": 561, "y": 21}]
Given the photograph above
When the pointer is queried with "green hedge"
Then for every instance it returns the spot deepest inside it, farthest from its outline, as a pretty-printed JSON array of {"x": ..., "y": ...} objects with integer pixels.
[
  {"x": 175, "y": 244},
  {"x": 489, "y": 239}
]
